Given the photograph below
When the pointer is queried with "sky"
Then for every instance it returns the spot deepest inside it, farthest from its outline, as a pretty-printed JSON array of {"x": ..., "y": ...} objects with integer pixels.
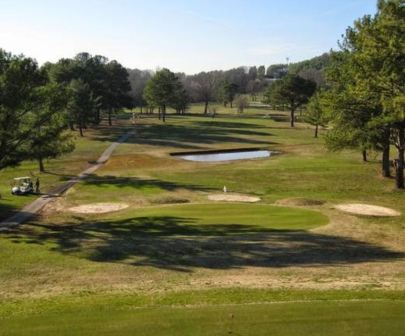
[{"x": 182, "y": 35}]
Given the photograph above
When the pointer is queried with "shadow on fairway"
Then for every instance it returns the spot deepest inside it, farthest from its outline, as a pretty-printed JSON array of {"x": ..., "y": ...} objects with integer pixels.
[
  {"x": 230, "y": 124},
  {"x": 189, "y": 135},
  {"x": 138, "y": 183},
  {"x": 181, "y": 244}
]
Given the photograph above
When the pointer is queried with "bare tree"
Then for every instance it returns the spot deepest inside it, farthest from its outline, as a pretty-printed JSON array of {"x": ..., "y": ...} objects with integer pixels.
[
  {"x": 204, "y": 86},
  {"x": 242, "y": 102}
]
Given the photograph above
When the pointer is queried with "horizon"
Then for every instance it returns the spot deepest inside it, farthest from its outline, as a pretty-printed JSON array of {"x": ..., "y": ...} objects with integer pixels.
[{"x": 218, "y": 39}]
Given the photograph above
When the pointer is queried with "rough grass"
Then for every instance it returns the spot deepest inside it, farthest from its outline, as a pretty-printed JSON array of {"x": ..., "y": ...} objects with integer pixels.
[{"x": 87, "y": 150}]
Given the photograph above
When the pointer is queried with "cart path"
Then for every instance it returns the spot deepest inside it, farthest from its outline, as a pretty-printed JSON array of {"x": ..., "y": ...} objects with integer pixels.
[{"x": 34, "y": 207}]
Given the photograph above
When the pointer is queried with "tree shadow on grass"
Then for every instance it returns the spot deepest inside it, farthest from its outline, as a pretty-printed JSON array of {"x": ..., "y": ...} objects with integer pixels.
[
  {"x": 187, "y": 136},
  {"x": 7, "y": 209},
  {"x": 138, "y": 183},
  {"x": 230, "y": 124},
  {"x": 182, "y": 244}
]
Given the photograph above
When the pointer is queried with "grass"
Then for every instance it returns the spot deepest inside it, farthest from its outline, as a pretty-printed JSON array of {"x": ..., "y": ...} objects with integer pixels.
[
  {"x": 87, "y": 150},
  {"x": 165, "y": 268},
  {"x": 303, "y": 318},
  {"x": 240, "y": 312}
]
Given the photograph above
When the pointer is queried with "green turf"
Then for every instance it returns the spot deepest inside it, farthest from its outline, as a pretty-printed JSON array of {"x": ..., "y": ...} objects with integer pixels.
[
  {"x": 277, "y": 318},
  {"x": 249, "y": 217},
  {"x": 80, "y": 274}
]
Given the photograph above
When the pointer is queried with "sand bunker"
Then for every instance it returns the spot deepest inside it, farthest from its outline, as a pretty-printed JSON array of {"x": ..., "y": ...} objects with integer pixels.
[
  {"x": 233, "y": 198},
  {"x": 367, "y": 210},
  {"x": 98, "y": 208}
]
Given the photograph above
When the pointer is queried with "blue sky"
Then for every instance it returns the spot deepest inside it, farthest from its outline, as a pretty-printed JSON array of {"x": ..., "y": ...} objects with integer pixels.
[{"x": 183, "y": 35}]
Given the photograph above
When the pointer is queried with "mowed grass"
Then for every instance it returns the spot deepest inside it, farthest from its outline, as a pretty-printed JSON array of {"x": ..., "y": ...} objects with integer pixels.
[
  {"x": 286, "y": 318},
  {"x": 178, "y": 237},
  {"x": 207, "y": 268}
]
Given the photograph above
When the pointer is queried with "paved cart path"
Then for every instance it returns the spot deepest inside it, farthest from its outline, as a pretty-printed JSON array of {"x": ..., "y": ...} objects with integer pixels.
[{"x": 34, "y": 207}]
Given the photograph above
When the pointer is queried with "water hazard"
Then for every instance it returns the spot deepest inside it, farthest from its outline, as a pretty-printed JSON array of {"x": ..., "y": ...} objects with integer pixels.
[{"x": 224, "y": 155}]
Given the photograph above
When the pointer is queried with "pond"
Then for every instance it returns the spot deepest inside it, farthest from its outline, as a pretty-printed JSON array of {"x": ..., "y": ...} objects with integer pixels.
[{"x": 226, "y": 155}]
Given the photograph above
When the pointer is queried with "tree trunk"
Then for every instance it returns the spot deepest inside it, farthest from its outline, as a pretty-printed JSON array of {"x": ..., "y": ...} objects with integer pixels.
[
  {"x": 399, "y": 176},
  {"x": 316, "y": 131},
  {"x": 231, "y": 103},
  {"x": 164, "y": 113},
  {"x": 364, "y": 154},
  {"x": 386, "y": 171},
  {"x": 292, "y": 117},
  {"x": 109, "y": 116},
  {"x": 81, "y": 127},
  {"x": 206, "y": 107},
  {"x": 141, "y": 109},
  {"x": 97, "y": 116},
  {"x": 41, "y": 164}
]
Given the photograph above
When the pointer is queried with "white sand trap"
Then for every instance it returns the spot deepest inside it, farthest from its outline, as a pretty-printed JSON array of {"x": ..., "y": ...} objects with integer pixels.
[
  {"x": 367, "y": 210},
  {"x": 233, "y": 198},
  {"x": 98, "y": 208}
]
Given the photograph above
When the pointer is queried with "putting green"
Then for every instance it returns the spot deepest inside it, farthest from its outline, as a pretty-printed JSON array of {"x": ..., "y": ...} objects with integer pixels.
[{"x": 231, "y": 216}]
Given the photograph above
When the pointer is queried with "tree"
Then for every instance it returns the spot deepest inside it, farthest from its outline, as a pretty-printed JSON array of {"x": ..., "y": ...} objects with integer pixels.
[
  {"x": 19, "y": 80},
  {"x": 161, "y": 91},
  {"x": 374, "y": 56},
  {"x": 205, "y": 84},
  {"x": 313, "y": 69},
  {"x": 261, "y": 72},
  {"x": 242, "y": 102},
  {"x": 293, "y": 91},
  {"x": 49, "y": 139},
  {"x": 351, "y": 111},
  {"x": 181, "y": 101},
  {"x": 277, "y": 71},
  {"x": 254, "y": 87},
  {"x": 316, "y": 114},
  {"x": 32, "y": 118},
  {"x": 138, "y": 79},
  {"x": 116, "y": 89},
  {"x": 252, "y": 73},
  {"x": 228, "y": 92},
  {"x": 81, "y": 104},
  {"x": 107, "y": 80}
]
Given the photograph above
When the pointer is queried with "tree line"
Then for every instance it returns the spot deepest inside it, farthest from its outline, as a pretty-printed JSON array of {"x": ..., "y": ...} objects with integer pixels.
[
  {"x": 362, "y": 93},
  {"x": 225, "y": 86},
  {"x": 366, "y": 94},
  {"x": 38, "y": 104}
]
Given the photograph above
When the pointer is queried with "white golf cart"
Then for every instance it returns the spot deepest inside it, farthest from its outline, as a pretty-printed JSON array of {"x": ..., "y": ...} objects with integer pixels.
[{"x": 22, "y": 186}]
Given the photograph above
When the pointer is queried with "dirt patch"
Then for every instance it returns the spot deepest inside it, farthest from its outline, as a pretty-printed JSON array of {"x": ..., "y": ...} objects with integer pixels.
[
  {"x": 169, "y": 200},
  {"x": 225, "y": 197},
  {"x": 299, "y": 202},
  {"x": 367, "y": 210},
  {"x": 98, "y": 208}
]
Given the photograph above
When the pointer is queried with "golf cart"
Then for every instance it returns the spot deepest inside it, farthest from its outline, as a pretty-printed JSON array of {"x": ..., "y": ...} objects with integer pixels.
[{"x": 22, "y": 186}]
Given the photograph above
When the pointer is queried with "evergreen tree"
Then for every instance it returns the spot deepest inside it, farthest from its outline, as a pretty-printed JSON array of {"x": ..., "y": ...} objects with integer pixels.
[
  {"x": 370, "y": 95},
  {"x": 161, "y": 91},
  {"x": 49, "y": 138},
  {"x": 315, "y": 113},
  {"x": 292, "y": 91}
]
